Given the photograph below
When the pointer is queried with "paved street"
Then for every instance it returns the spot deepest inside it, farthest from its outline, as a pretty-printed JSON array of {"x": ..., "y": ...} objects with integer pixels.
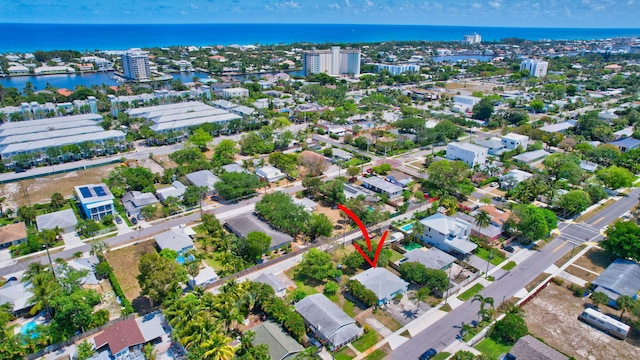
[{"x": 444, "y": 331}]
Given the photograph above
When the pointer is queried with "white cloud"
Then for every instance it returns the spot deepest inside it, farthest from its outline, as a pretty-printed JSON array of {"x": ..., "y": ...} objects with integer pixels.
[
  {"x": 476, "y": 5},
  {"x": 194, "y": 6},
  {"x": 288, "y": 5},
  {"x": 368, "y": 3},
  {"x": 495, "y": 4},
  {"x": 334, "y": 6},
  {"x": 347, "y": 3}
]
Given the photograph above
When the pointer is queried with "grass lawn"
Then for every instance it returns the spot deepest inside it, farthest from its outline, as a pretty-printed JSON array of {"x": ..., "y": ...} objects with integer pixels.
[
  {"x": 124, "y": 262},
  {"x": 496, "y": 258},
  {"x": 470, "y": 292},
  {"x": 387, "y": 320},
  {"x": 492, "y": 349},
  {"x": 377, "y": 355},
  {"x": 395, "y": 256},
  {"x": 349, "y": 308},
  {"x": 441, "y": 356},
  {"x": 510, "y": 265},
  {"x": 344, "y": 354},
  {"x": 300, "y": 284},
  {"x": 367, "y": 340},
  {"x": 213, "y": 262}
]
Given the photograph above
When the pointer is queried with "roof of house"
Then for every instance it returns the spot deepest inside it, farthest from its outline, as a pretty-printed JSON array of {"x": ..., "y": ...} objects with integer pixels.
[
  {"x": 86, "y": 264},
  {"x": 530, "y": 156},
  {"x": 224, "y": 104},
  {"x": 269, "y": 171},
  {"x": 176, "y": 189},
  {"x": 306, "y": 202},
  {"x": 432, "y": 258},
  {"x": 17, "y": 294},
  {"x": 206, "y": 275},
  {"x": 490, "y": 144},
  {"x": 467, "y": 146},
  {"x": 151, "y": 326},
  {"x": 244, "y": 224},
  {"x": 490, "y": 231},
  {"x": 381, "y": 184},
  {"x": 561, "y": 126},
  {"x": 588, "y": 166},
  {"x": 519, "y": 175},
  {"x": 135, "y": 199},
  {"x": 514, "y": 136},
  {"x": 530, "y": 348},
  {"x": 93, "y": 193},
  {"x": 381, "y": 281},
  {"x": 628, "y": 142},
  {"x": 328, "y": 319},
  {"x": 203, "y": 178},
  {"x": 174, "y": 239},
  {"x": 62, "y": 219},
  {"x": 622, "y": 277},
  {"x": 341, "y": 154},
  {"x": 280, "y": 343},
  {"x": 351, "y": 191},
  {"x": 13, "y": 232},
  {"x": 233, "y": 167},
  {"x": 272, "y": 280},
  {"x": 119, "y": 336},
  {"x": 498, "y": 216},
  {"x": 448, "y": 226}
]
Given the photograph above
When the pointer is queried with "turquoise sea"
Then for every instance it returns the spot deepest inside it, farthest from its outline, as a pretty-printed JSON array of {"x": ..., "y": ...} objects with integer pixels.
[{"x": 31, "y": 37}]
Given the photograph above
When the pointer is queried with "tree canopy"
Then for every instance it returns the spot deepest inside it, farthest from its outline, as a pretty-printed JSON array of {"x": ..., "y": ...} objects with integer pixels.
[
  {"x": 623, "y": 239},
  {"x": 160, "y": 277},
  {"x": 233, "y": 185}
]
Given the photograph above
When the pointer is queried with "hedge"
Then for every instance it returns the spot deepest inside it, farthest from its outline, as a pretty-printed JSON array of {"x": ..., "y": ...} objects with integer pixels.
[{"x": 128, "y": 309}]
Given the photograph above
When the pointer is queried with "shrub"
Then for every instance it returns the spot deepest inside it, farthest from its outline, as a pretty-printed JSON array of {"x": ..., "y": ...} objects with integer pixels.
[
  {"x": 508, "y": 330},
  {"x": 361, "y": 293},
  {"x": 331, "y": 288},
  {"x": 558, "y": 280}
]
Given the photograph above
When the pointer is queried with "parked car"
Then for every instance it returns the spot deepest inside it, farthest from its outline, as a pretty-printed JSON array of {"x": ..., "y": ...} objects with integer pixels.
[
  {"x": 134, "y": 221},
  {"x": 508, "y": 248},
  {"x": 429, "y": 354},
  {"x": 118, "y": 220},
  {"x": 140, "y": 216}
]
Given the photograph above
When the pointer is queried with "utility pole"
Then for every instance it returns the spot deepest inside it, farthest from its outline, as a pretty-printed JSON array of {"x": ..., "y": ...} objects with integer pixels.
[{"x": 486, "y": 275}]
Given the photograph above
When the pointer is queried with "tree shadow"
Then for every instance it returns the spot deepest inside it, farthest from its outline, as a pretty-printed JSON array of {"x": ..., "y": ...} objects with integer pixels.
[{"x": 141, "y": 304}]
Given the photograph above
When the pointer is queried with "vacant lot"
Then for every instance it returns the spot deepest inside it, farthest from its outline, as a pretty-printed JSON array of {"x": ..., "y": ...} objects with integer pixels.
[
  {"x": 553, "y": 316},
  {"x": 596, "y": 260},
  {"x": 124, "y": 262},
  {"x": 39, "y": 190}
]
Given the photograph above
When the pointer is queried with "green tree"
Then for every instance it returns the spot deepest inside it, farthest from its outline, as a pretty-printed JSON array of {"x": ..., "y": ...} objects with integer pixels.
[
  {"x": 483, "y": 109},
  {"x": 330, "y": 288},
  {"x": 563, "y": 166},
  {"x": 483, "y": 219},
  {"x": 319, "y": 225},
  {"x": 625, "y": 303},
  {"x": 353, "y": 171},
  {"x": 353, "y": 261},
  {"x": 623, "y": 239},
  {"x": 315, "y": 264},
  {"x": 537, "y": 106},
  {"x": 159, "y": 277},
  {"x": 85, "y": 350},
  {"x": 615, "y": 177},
  {"x": 217, "y": 347},
  {"x": 233, "y": 185},
  {"x": 200, "y": 138},
  {"x": 508, "y": 330},
  {"x": 256, "y": 245},
  {"x": 446, "y": 177},
  {"x": 599, "y": 298},
  {"x": 532, "y": 222},
  {"x": 485, "y": 313},
  {"x": 57, "y": 200},
  {"x": 193, "y": 195},
  {"x": 573, "y": 202},
  {"x": 420, "y": 296},
  {"x": 463, "y": 355},
  {"x": 224, "y": 153}
]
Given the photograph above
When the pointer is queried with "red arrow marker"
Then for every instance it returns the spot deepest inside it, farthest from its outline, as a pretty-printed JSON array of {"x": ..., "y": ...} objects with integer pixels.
[{"x": 365, "y": 234}]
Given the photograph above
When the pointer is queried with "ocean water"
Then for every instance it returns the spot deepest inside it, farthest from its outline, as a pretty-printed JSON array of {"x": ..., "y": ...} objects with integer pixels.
[{"x": 31, "y": 37}]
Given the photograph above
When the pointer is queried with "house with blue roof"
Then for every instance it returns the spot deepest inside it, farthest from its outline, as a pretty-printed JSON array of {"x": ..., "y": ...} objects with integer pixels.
[{"x": 626, "y": 144}]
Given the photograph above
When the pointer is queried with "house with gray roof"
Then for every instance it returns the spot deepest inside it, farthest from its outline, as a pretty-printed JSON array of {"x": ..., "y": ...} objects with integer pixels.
[
  {"x": 134, "y": 201},
  {"x": 530, "y": 348},
  {"x": 432, "y": 258},
  {"x": 622, "y": 277},
  {"x": 341, "y": 155},
  {"x": 494, "y": 147},
  {"x": 489, "y": 232},
  {"x": 63, "y": 219},
  {"x": 17, "y": 294},
  {"x": 559, "y": 127},
  {"x": 272, "y": 280},
  {"x": 204, "y": 178},
  {"x": 87, "y": 264},
  {"x": 206, "y": 276},
  {"x": 174, "y": 239},
  {"x": 281, "y": 345},
  {"x": 327, "y": 321},
  {"x": 626, "y": 144},
  {"x": 244, "y": 224},
  {"x": 233, "y": 167},
  {"x": 448, "y": 234},
  {"x": 383, "y": 283},
  {"x": 176, "y": 190},
  {"x": 531, "y": 156},
  {"x": 382, "y": 186}
]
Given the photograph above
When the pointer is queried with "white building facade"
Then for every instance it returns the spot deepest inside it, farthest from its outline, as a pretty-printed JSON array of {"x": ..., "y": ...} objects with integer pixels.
[
  {"x": 535, "y": 67},
  {"x": 511, "y": 141},
  {"x": 135, "y": 65},
  {"x": 468, "y": 153},
  {"x": 334, "y": 61}
]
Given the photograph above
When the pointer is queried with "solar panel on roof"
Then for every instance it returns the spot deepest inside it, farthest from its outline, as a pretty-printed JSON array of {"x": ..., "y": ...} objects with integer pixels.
[
  {"x": 99, "y": 191},
  {"x": 86, "y": 193}
]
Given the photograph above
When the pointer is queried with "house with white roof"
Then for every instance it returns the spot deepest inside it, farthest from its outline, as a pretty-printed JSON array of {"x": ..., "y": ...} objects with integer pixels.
[
  {"x": 272, "y": 280},
  {"x": 512, "y": 140},
  {"x": 204, "y": 178},
  {"x": 176, "y": 190},
  {"x": 269, "y": 173},
  {"x": 509, "y": 180},
  {"x": 64, "y": 219},
  {"x": 207, "y": 275},
  {"x": 470, "y": 154},
  {"x": 383, "y": 283},
  {"x": 448, "y": 234},
  {"x": 174, "y": 239},
  {"x": 17, "y": 294},
  {"x": 531, "y": 156},
  {"x": 431, "y": 258},
  {"x": 382, "y": 186}
]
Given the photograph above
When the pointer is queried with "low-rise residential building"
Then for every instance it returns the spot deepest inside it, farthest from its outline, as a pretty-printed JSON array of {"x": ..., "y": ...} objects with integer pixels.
[
  {"x": 18, "y": 294},
  {"x": 382, "y": 186},
  {"x": 281, "y": 345},
  {"x": 489, "y": 233},
  {"x": 494, "y": 147},
  {"x": 244, "y": 224},
  {"x": 134, "y": 201},
  {"x": 622, "y": 277},
  {"x": 64, "y": 220},
  {"x": 470, "y": 154},
  {"x": 383, "y": 283},
  {"x": 431, "y": 258},
  {"x": 12, "y": 234},
  {"x": 351, "y": 191},
  {"x": 96, "y": 200},
  {"x": 341, "y": 155},
  {"x": 126, "y": 338},
  {"x": 559, "y": 127},
  {"x": 235, "y": 93},
  {"x": 448, "y": 234},
  {"x": 174, "y": 239},
  {"x": 272, "y": 280},
  {"x": 463, "y": 103},
  {"x": 206, "y": 276},
  {"x": 626, "y": 144},
  {"x": 530, "y": 348},
  {"x": 269, "y": 173},
  {"x": 512, "y": 140},
  {"x": 514, "y": 177},
  {"x": 531, "y": 156},
  {"x": 204, "y": 178},
  {"x": 327, "y": 321},
  {"x": 233, "y": 167},
  {"x": 176, "y": 190}
]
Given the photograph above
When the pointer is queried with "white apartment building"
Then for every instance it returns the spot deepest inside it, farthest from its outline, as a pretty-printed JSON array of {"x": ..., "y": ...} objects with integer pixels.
[
  {"x": 235, "y": 92},
  {"x": 334, "y": 61},
  {"x": 463, "y": 103},
  {"x": 399, "y": 69},
  {"x": 468, "y": 153},
  {"x": 135, "y": 65},
  {"x": 448, "y": 234},
  {"x": 535, "y": 67},
  {"x": 511, "y": 141},
  {"x": 472, "y": 39}
]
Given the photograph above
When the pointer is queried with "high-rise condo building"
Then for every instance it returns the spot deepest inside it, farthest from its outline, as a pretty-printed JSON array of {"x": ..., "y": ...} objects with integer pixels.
[
  {"x": 472, "y": 39},
  {"x": 135, "y": 65},
  {"x": 332, "y": 61},
  {"x": 535, "y": 67}
]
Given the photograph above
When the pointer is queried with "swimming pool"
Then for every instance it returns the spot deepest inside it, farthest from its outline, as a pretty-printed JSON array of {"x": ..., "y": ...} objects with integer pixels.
[
  {"x": 181, "y": 259},
  {"x": 407, "y": 227},
  {"x": 29, "y": 328},
  {"x": 410, "y": 246}
]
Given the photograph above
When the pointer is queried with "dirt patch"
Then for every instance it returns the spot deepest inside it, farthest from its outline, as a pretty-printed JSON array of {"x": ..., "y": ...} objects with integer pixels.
[
  {"x": 581, "y": 273},
  {"x": 153, "y": 166},
  {"x": 164, "y": 161},
  {"x": 537, "y": 281},
  {"x": 553, "y": 316},
  {"x": 596, "y": 260},
  {"x": 124, "y": 262},
  {"x": 39, "y": 190},
  {"x": 486, "y": 88},
  {"x": 109, "y": 301},
  {"x": 333, "y": 214}
]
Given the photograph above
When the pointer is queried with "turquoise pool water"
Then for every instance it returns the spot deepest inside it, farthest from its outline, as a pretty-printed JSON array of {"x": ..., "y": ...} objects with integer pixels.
[
  {"x": 407, "y": 227},
  {"x": 29, "y": 328},
  {"x": 410, "y": 246}
]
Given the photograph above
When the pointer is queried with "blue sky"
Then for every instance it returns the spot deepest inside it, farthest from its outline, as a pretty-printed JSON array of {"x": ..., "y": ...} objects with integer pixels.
[{"x": 518, "y": 13}]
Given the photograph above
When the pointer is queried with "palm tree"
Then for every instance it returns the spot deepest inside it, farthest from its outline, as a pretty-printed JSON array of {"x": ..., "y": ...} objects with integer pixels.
[
  {"x": 217, "y": 348},
  {"x": 599, "y": 298},
  {"x": 421, "y": 295},
  {"x": 512, "y": 308},
  {"x": 44, "y": 287},
  {"x": 483, "y": 219},
  {"x": 484, "y": 313},
  {"x": 417, "y": 231},
  {"x": 624, "y": 303},
  {"x": 198, "y": 331},
  {"x": 99, "y": 248}
]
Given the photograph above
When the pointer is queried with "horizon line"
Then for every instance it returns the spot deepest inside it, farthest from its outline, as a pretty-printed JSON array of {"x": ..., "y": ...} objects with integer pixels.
[{"x": 332, "y": 24}]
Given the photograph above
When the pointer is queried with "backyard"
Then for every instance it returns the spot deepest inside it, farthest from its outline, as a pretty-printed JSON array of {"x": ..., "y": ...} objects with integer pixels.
[{"x": 124, "y": 262}]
